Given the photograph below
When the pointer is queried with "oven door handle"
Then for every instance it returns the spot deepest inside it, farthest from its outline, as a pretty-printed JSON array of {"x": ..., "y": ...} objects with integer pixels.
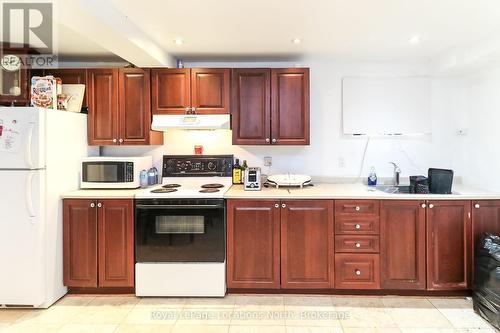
[{"x": 142, "y": 206}]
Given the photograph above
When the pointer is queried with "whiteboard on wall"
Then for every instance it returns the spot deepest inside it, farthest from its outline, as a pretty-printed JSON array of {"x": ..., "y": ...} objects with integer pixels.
[{"x": 386, "y": 105}]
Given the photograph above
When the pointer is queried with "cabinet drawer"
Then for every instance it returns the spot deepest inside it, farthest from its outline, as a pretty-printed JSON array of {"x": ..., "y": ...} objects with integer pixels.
[
  {"x": 357, "y": 226},
  {"x": 357, "y": 271},
  {"x": 357, "y": 243},
  {"x": 356, "y": 208}
]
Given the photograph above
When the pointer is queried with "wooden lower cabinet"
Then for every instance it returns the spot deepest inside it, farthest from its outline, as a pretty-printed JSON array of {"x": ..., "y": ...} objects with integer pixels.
[
  {"x": 98, "y": 243},
  {"x": 402, "y": 244},
  {"x": 357, "y": 271},
  {"x": 80, "y": 243},
  {"x": 253, "y": 244},
  {"x": 307, "y": 255},
  {"x": 448, "y": 245}
]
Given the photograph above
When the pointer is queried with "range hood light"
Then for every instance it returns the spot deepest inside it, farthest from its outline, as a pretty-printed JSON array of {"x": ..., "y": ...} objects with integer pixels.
[{"x": 191, "y": 122}]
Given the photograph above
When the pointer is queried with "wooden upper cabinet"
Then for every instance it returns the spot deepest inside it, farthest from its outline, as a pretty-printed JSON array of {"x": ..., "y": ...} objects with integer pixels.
[
  {"x": 448, "y": 245},
  {"x": 135, "y": 108},
  {"x": 307, "y": 255},
  {"x": 116, "y": 243},
  {"x": 210, "y": 90},
  {"x": 80, "y": 243},
  {"x": 171, "y": 90},
  {"x": 103, "y": 113},
  {"x": 70, "y": 76},
  {"x": 290, "y": 106},
  {"x": 253, "y": 244},
  {"x": 402, "y": 244},
  {"x": 251, "y": 106}
]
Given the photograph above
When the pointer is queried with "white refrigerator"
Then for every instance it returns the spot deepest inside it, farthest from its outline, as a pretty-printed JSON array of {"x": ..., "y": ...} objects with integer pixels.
[{"x": 40, "y": 158}]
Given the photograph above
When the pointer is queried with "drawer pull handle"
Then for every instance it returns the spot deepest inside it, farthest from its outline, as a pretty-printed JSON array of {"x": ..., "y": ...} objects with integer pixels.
[
  {"x": 431, "y": 206},
  {"x": 357, "y": 226},
  {"x": 276, "y": 205},
  {"x": 358, "y": 245},
  {"x": 424, "y": 205},
  {"x": 358, "y": 208},
  {"x": 92, "y": 205},
  {"x": 357, "y": 272},
  {"x": 283, "y": 206},
  {"x": 477, "y": 206}
]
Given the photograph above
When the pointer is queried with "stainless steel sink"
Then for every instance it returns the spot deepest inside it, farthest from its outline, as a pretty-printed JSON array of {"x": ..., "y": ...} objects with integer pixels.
[{"x": 400, "y": 189}]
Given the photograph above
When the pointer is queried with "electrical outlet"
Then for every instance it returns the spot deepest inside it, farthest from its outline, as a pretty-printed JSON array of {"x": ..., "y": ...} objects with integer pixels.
[
  {"x": 341, "y": 162},
  {"x": 268, "y": 161}
]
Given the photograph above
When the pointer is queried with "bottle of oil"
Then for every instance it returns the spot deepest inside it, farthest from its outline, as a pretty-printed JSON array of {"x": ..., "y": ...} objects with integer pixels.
[{"x": 237, "y": 172}]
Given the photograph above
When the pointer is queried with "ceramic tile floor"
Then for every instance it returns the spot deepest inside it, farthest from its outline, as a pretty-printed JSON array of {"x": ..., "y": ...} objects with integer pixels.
[{"x": 248, "y": 314}]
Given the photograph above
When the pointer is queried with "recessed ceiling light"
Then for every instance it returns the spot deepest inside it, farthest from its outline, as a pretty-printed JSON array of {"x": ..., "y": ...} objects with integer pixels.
[
  {"x": 178, "y": 41},
  {"x": 296, "y": 40},
  {"x": 414, "y": 39}
]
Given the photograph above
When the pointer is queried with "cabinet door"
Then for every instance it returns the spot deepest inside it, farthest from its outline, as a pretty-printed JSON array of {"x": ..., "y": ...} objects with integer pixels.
[
  {"x": 80, "y": 243},
  {"x": 290, "y": 106},
  {"x": 253, "y": 244},
  {"x": 448, "y": 245},
  {"x": 135, "y": 108},
  {"x": 102, "y": 95},
  {"x": 70, "y": 76},
  {"x": 210, "y": 90},
  {"x": 307, "y": 256},
  {"x": 251, "y": 106},
  {"x": 116, "y": 243},
  {"x": 485, "y": 218},
  {"x": 402, "y": 244},
  {"x": 171, "y": 90}
]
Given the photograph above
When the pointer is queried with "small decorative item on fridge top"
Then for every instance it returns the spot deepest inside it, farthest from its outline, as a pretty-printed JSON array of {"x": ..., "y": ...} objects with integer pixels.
[
  {"x": 237, "y": 172},
  {"x": 44, "y": 92},
  {"x": 198, "y": 149},
  {"x": 144, "y": 178},
  {"x": 372, "y": 177}
]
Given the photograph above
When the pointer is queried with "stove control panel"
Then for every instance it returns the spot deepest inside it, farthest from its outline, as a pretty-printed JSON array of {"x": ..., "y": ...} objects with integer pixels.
[{"x": 197, "y": 165}]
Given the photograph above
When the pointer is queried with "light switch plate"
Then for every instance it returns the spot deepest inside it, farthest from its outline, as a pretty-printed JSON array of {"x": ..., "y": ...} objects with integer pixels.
[{"x": 268, "y": 161}]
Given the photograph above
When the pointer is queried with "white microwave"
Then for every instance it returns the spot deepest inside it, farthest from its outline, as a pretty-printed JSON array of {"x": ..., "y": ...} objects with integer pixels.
[{"x": 113, "y": 172}]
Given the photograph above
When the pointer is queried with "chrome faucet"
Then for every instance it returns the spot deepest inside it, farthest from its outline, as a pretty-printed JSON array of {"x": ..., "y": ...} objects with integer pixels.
[{"x": 397, "y": 172}]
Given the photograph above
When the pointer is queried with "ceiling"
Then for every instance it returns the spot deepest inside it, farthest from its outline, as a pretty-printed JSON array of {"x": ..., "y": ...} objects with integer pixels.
[{"x": 353, "y": 29}]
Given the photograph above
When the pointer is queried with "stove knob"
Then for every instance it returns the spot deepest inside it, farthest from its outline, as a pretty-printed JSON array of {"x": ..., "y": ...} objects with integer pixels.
[{"x": 211, "y": 166}]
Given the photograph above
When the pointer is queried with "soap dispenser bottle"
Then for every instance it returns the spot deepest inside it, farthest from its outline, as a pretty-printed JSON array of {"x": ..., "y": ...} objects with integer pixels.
[{"x": 372, "y": 177}]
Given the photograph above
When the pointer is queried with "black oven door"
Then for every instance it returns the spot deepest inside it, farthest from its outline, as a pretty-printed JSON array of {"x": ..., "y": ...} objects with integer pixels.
[{"x": 180, "y": 230}]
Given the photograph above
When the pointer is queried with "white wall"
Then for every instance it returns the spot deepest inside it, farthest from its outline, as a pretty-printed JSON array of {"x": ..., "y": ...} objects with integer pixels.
[
  {"x": 328, "y": 146},
  {"x": 479, "y": 158}
]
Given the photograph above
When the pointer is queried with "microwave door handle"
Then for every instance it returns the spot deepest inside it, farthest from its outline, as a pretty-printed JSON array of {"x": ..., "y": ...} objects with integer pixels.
[{"x": 142, "y": 206}]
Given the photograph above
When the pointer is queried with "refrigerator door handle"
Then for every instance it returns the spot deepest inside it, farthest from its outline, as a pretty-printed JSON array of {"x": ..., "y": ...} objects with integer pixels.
[
  {"x": 29, "y": 195},
  {"x": 29, "y": 157}
]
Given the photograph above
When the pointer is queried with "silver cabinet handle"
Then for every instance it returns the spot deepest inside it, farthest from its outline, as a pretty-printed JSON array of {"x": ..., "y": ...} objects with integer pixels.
[
  {"x": 274, "y": 140},
  {"x": 92, "y": 205},
  {"x": 358, "y": 208},
  {"x": 121, "y": 140},
  {"x": 99, "y": 205},
  {"x": 423, "y": 205},
  {"x": 276, "y": 205},
  {"x": 268, "y": 140},
  {"x": 283, "y": 206},
  {"x": 431, "y": 206},
  {"x": 188, "y": 109},
  {"x": 477, "y": 206},
  {"x": 357, "y": 272},
  {"x": 114, "y": 140},
  {"x": 357, "y": 226},
  {"x": 358, "y": 245},
  {"x": 193, "y": 109}
]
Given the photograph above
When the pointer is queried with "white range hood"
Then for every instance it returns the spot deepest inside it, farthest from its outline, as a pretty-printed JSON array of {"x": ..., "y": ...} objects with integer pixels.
[{"x": 191, "y": 121}]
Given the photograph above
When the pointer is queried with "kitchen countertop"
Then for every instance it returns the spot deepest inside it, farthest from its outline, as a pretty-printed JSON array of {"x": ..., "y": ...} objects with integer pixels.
[
  {"x": 102, "y": 194},
  {"x": 354, "y": 191},
  {"x": 318, "y": 191}
]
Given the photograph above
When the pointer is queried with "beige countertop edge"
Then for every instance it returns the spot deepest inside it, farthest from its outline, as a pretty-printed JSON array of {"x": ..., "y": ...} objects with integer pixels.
[{"x": 100, "y": 194}]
